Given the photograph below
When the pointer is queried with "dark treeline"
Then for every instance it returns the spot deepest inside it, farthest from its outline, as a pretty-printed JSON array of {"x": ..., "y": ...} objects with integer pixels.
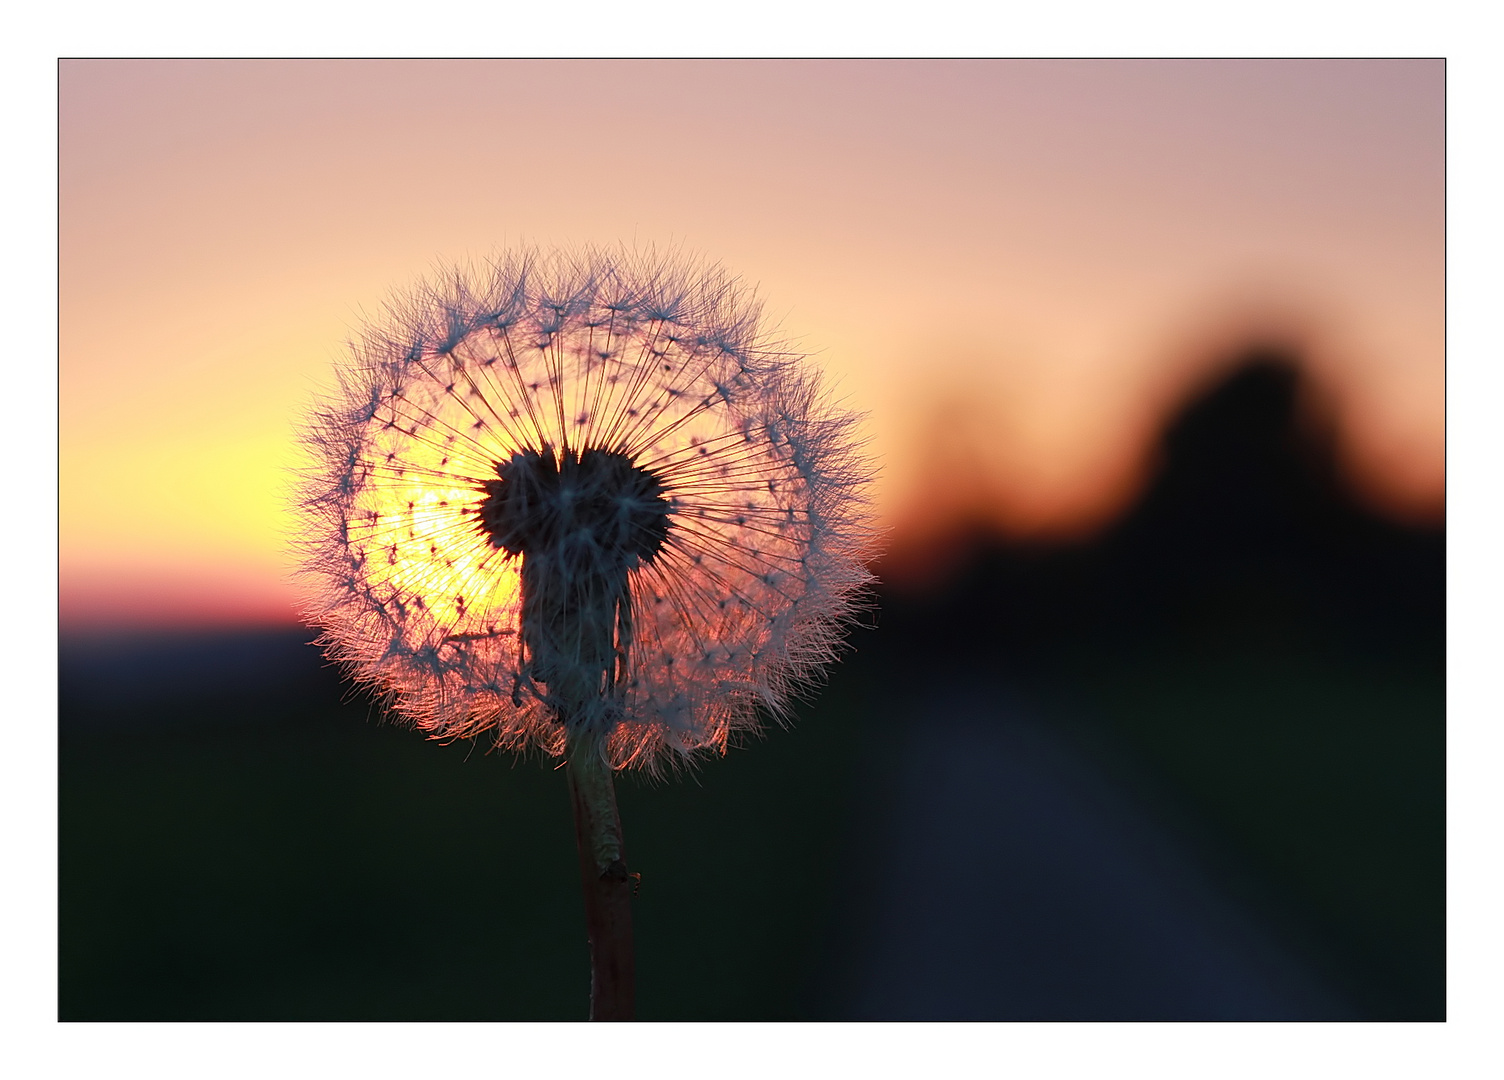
[{"x": 1247, "y": 524}]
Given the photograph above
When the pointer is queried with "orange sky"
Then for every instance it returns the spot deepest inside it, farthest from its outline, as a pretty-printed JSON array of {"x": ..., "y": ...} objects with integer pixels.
[{"x": 1014, "y": 267}]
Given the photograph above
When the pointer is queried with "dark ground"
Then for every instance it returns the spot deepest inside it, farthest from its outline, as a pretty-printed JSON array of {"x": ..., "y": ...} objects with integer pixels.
[{"x": 1193, "y": 769}]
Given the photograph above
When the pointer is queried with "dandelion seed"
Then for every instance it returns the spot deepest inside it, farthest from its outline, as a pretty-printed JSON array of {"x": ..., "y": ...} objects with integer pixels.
[{"x": 641, "y": 527}]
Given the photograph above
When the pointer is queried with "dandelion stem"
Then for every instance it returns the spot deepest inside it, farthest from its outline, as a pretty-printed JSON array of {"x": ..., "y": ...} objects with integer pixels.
[{"x": 603, "y": 875}]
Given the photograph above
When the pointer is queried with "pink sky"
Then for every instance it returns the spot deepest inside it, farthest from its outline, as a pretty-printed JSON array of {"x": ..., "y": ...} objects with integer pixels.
[{"x": 1036, "y": 259}]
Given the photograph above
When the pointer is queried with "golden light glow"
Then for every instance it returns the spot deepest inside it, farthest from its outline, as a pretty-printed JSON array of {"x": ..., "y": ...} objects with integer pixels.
[{"x": 470, "y": 588}]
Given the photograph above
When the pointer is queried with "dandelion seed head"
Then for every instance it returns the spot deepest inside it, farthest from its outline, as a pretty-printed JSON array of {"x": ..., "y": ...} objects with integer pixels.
[{"x": 582, "y": 490}]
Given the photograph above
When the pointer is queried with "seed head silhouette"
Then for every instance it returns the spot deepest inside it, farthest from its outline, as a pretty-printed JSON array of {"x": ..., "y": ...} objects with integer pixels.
[{"x": 583, "y": 493}]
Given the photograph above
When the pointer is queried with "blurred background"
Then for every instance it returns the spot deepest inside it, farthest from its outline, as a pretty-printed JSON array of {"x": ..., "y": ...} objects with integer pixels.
[{"x": 1148, "y": 719}]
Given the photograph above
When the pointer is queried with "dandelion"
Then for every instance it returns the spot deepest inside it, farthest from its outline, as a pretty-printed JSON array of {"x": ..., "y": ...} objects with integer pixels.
[{"x": 583, "y": 505}]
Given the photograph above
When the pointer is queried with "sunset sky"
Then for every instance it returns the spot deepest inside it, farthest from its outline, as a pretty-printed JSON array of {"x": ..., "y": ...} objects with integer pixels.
[{"x": 1015, "y": 268}]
